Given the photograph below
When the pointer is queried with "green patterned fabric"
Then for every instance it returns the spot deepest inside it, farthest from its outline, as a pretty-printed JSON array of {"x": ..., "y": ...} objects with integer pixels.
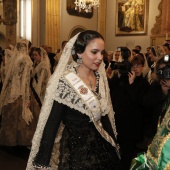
[{"x": 158, "y": 154}]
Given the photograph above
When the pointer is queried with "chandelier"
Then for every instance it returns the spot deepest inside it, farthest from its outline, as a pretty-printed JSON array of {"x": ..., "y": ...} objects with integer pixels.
[{"x": 86, "y": 5}]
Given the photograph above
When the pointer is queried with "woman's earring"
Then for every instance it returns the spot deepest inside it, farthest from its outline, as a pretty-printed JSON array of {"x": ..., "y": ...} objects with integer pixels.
[{"x": 79, "y": 60}]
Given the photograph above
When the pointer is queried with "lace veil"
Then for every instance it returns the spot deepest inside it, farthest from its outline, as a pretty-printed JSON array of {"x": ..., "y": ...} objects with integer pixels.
[
  {"x": 17, "y": 79},
  {"x": 46, "y": 60},
  {"x": 43, "y": 72},
  {"x": 65, "y": 61},
  {"x": 159, "y": 51},
  {"x": 120, "y": 56}
]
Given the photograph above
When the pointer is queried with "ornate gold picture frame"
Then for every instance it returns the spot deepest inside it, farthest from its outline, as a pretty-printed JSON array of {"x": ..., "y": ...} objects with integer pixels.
[{"x": 131, "y": 17}]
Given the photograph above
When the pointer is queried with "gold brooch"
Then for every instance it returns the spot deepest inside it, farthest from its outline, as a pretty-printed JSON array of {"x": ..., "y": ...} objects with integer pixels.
[{"x": 83, "y": 90}]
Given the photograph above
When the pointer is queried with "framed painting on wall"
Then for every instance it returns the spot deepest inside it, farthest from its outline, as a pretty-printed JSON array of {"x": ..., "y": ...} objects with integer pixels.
[
  {"x": 131, "y": 17},
  {"x": 72, "y": 11}
]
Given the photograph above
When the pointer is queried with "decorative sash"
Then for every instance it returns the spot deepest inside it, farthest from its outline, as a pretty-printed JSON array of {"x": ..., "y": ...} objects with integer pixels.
[
  {"x": 86, "y": 94},
  {"x": 92, "y": 103}
]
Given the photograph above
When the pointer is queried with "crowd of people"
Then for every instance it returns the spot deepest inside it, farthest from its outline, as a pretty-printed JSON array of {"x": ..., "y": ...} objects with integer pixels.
[{"x": 84, "y": 107}]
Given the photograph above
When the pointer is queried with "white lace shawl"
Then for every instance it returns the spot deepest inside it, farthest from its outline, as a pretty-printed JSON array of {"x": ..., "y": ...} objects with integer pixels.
[
  {"x": 52, "y": 93},
  {"x": 145, "y": 67},
  {"x": 17, "y": 81},
  {"x": 42, "y": 70},
  {"x": 8, "y": 55}
]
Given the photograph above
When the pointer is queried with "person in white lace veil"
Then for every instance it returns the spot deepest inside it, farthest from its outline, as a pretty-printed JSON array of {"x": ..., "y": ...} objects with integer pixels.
[
  {"x": 155, "y": 53},
  {"x": 145, "y": 67},
  {"x": 116, "y": 58},
  {"x": 17, "y": 124},
  {"x": 39, "y": 79},
  {"x": 41, "y": 72},
  {"x": 69, "y": 134}
]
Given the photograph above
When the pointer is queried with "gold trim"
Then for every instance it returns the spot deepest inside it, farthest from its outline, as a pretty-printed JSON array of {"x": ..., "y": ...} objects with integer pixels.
[
  {"x": 156, "y": 160},
  {"x": 102, "y": 17},
  {"x": 167, "y": 167},
  {"x": 157, "y": 26},
  {"x": 53, "y": 23}
]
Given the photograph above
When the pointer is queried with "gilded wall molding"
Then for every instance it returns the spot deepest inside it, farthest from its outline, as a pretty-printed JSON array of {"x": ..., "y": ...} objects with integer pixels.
[
  {"x": 102, "y": 17},
  {"x": 10, "y": 20},
  {"x": 10, "y": 12},
  {"x": 157, "y": 26},
  {"x": 53, "y": 23}
]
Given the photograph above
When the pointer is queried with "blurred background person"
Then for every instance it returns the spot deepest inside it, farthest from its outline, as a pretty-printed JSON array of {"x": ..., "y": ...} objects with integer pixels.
[
  {"x": 138, "y": 47},
  {"x": 158, "y": 155},
  {"x": 41, "y": 73},
  {"x": 145, "y": 67},
  {"x": 51, "y": 56},
  {"x": 116, "y": 58},
  {"x": 18, "y": 123},
  {"x": 166, "y": 47},
  {"x": 147, "y": 54},
  {"x": 134, "y": 52},
  {"x": 127, "y": 89},
  {"x": 155, "y": 53},
  {"x": 39, "y": 79},
  {"x": 58, "y": 54}
]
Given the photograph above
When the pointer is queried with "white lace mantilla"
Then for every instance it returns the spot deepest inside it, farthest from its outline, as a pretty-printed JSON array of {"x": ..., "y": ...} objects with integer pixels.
[{"x": 42, "y": 70}]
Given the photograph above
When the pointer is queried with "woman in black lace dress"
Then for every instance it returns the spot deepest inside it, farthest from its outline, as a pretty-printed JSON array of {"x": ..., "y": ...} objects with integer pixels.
[{"x": 76, "y": 128}]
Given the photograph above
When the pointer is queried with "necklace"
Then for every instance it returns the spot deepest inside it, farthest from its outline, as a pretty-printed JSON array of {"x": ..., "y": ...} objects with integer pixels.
[
  {"x": 98, "y": 95},
  {"x": 90, "y": 84}
]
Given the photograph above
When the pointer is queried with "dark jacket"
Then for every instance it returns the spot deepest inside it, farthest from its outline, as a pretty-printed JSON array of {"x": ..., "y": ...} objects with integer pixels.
[{"x": 127, "y": 104}]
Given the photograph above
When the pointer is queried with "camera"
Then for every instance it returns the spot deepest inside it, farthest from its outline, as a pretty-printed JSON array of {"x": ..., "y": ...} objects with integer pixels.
[
  {"x": 124, "y": 67},
  {"x": 165, "y": 71}
]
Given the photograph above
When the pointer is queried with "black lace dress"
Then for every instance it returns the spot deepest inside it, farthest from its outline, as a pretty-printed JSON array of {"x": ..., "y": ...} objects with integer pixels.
[{"x": 81, "y": 145}]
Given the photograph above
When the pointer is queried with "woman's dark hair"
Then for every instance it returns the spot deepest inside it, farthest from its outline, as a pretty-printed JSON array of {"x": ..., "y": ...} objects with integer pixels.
[
  {"x": 83, "y": 40},
  {"x": 159, "y": 62},
  {"x": 29, "y": 44},
  {"x": 138, "y": 60},
  {"x": 141, "y": 55},
  {"x": 138, "y": 46},
  {"x": 136, "y": 51},
  {"x": 38, "y": 50},
  {"x": 105, "y": 59},
  {"x": 153, "y": 51},
  {"x": 125, "y": 52},
  {"x": 31, "y": 51},
  {"x": 63, "y": 44},
  {"x": 167, "y": 45}
]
